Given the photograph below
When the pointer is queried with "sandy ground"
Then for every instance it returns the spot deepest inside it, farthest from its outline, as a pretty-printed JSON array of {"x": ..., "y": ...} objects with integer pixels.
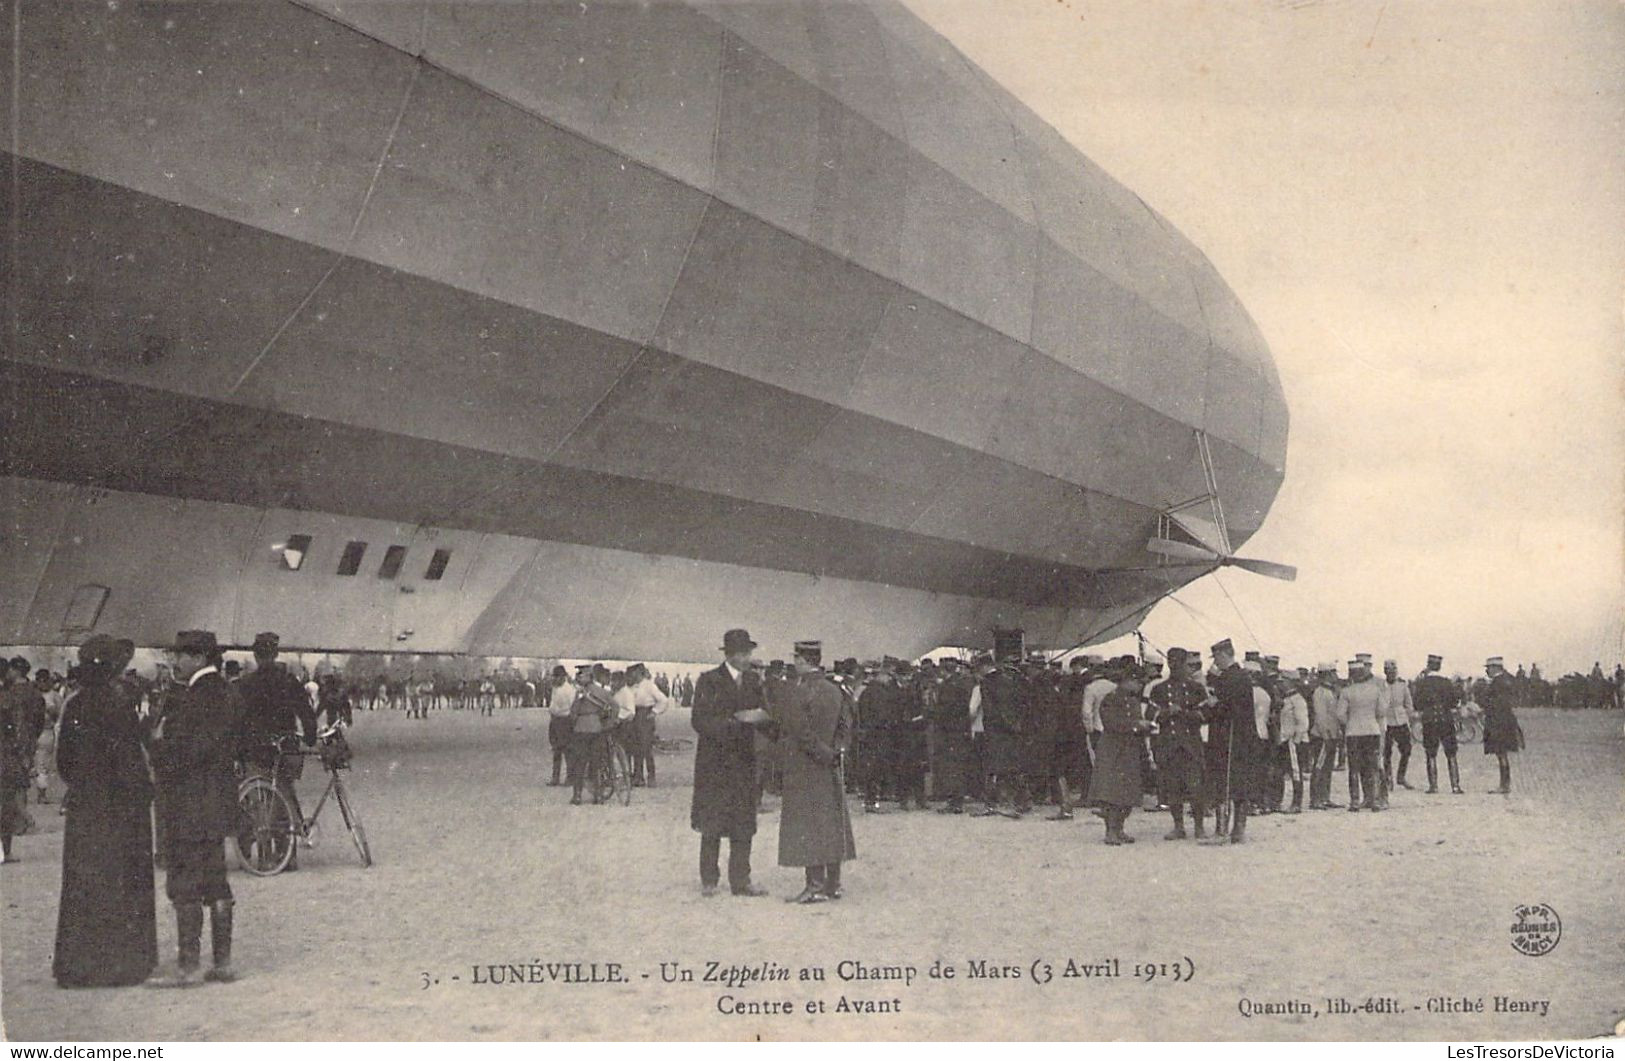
[{"x": 480, "y": 864}]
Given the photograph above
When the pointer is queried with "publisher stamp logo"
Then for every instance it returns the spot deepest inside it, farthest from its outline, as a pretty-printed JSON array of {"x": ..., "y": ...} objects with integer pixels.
[{"x": 1536, "y": 928}]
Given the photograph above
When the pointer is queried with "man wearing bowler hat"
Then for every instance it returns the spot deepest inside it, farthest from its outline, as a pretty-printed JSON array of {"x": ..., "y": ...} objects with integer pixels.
[
  {"x": 193, "y": 749},
  {"x": 728, "y": 708}
]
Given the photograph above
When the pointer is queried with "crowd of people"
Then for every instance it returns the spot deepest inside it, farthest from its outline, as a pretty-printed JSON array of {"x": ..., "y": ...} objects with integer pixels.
[
  {"x": 992, "y": 735},
  {"x": 1007, "y": 733}
]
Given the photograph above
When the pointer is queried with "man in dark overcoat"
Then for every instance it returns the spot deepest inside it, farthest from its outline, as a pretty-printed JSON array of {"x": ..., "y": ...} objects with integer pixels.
[
  {"x": 1115, "y": 784},
  {"x": 1002, "y": 705},
  {"x": 951, "y": 736},
  {"x": 815, "y": 830},
  {"x": 1502, "y": 734},
  {"x": 910, "y": 738},
  {"x": 881, "y": 715},
  {"x": 1235, "y": 760},
  {"x": 728, "y": 708},
  {"x": 193, "y": 752}
]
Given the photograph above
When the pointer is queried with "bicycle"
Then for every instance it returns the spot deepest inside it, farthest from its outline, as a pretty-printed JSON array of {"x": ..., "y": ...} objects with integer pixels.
[
  {"x": 268, "y": 828},
  {"x": 613, "y": 778},
  {"x": 1468, "y": 730}
]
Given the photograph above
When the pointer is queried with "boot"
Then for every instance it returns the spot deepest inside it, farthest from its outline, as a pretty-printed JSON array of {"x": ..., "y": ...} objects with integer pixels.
[
  {"x": 1455, "y": 776},
  {"x": 1197, "y": 816},
  {"x": 188, "y": 969},
  {"x": 557, "y": 759},
  {"x": 1505, "y": 787},
  {"x": 1178, "y": 832},
  {"x": 1297, "y": 799},
  {"x": 1238, "y": 829},
  {"x": 220, "y": 937},
  {"x": 1221, "y": 820},
  {"x": 1433, "y": 777}
]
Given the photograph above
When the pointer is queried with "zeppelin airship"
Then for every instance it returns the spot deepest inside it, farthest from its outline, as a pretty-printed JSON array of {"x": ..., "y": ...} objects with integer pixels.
[{"x": 591, "y": 329}]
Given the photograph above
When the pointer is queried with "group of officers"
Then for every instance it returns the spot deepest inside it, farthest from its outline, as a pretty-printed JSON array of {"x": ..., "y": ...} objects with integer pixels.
[
  {"x": 1229, "y": 740},
  {"x": 1108, "y": 733}
]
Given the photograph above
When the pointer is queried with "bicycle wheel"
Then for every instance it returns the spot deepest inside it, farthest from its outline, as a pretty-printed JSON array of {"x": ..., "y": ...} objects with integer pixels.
[
  {"x": 265, "y": 828},
  {"x": 352, "y": 821},
  {"x": 620, "y": 776}
]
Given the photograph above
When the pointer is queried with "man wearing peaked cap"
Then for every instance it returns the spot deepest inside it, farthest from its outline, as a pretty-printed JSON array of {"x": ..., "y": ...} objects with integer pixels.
[
  {"x": 912, "y": 738},
  {"x": 881, "y": 715},
  {"x": 1436, "y": 699},
  {"x": 275, "y": 707},
  {"x": 1325, "y": 736},
  {"x": 953, "y": 749},
  {"x": 1502, "y": 734},
  {"x": 193, "y": 751},
  {"x": 1363, "y": 707},
  {"x": 1178, "y": 743},
  {"x": 1401, "y": 712},
  {"x": 815, "y": 830},
  {"x": 1235, "y": 758}
]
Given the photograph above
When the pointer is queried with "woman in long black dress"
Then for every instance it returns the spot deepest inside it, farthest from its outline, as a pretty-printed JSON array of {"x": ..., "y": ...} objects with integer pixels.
[{"x": 107, "y": 929}]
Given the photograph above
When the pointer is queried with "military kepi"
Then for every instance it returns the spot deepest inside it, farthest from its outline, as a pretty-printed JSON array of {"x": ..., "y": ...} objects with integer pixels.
[
  {"x": 810, "y": 652},
  {"x": 1225, "y": 647},
  {"x": 196, "y": 642}
]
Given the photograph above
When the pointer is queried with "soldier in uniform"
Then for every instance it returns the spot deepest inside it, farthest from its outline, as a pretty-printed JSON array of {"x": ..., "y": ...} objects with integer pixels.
[
  {"x": 1235, "y": 755},
  {"x": 193, "y": 751},
  {"x": 727, "y": 711},
  {"x": 1502, "y": 734},
  {"x": 910, "y": 737},
  {"x": 1177, "y": 703},
  {"x": 951, "y": 736},
  {"x": 1069, "y": 748},
  {"x": 815, "y": 831},
  {"x": 1001, "y": 712},
  {"x": 1362, "y": 710},
  {"x": 1289, "y": 729},
  {"x": 1115, "y": 785},
  {"x": 1325, "y": 736},
  {"x": 1401, "y": 711},
  {"x": 1041, "y": 725},
  {"x": 1436, "y": 700},
  {"x": 880, "y": 713},
  {"x": 275, "y": 706}
]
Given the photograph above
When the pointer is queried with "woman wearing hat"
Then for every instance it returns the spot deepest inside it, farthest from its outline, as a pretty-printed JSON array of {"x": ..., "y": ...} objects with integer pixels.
[{"x": 107, "y": 928}]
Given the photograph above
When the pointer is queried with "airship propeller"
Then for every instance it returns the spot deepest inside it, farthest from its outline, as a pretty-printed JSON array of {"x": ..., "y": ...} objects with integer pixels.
[
  {"x": 1208, "y": 539},
  {"x": 1201, "y": 556}
]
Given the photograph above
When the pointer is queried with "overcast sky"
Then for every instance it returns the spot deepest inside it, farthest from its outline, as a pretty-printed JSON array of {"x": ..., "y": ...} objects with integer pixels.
[{"x": 1422, "y": 204}]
